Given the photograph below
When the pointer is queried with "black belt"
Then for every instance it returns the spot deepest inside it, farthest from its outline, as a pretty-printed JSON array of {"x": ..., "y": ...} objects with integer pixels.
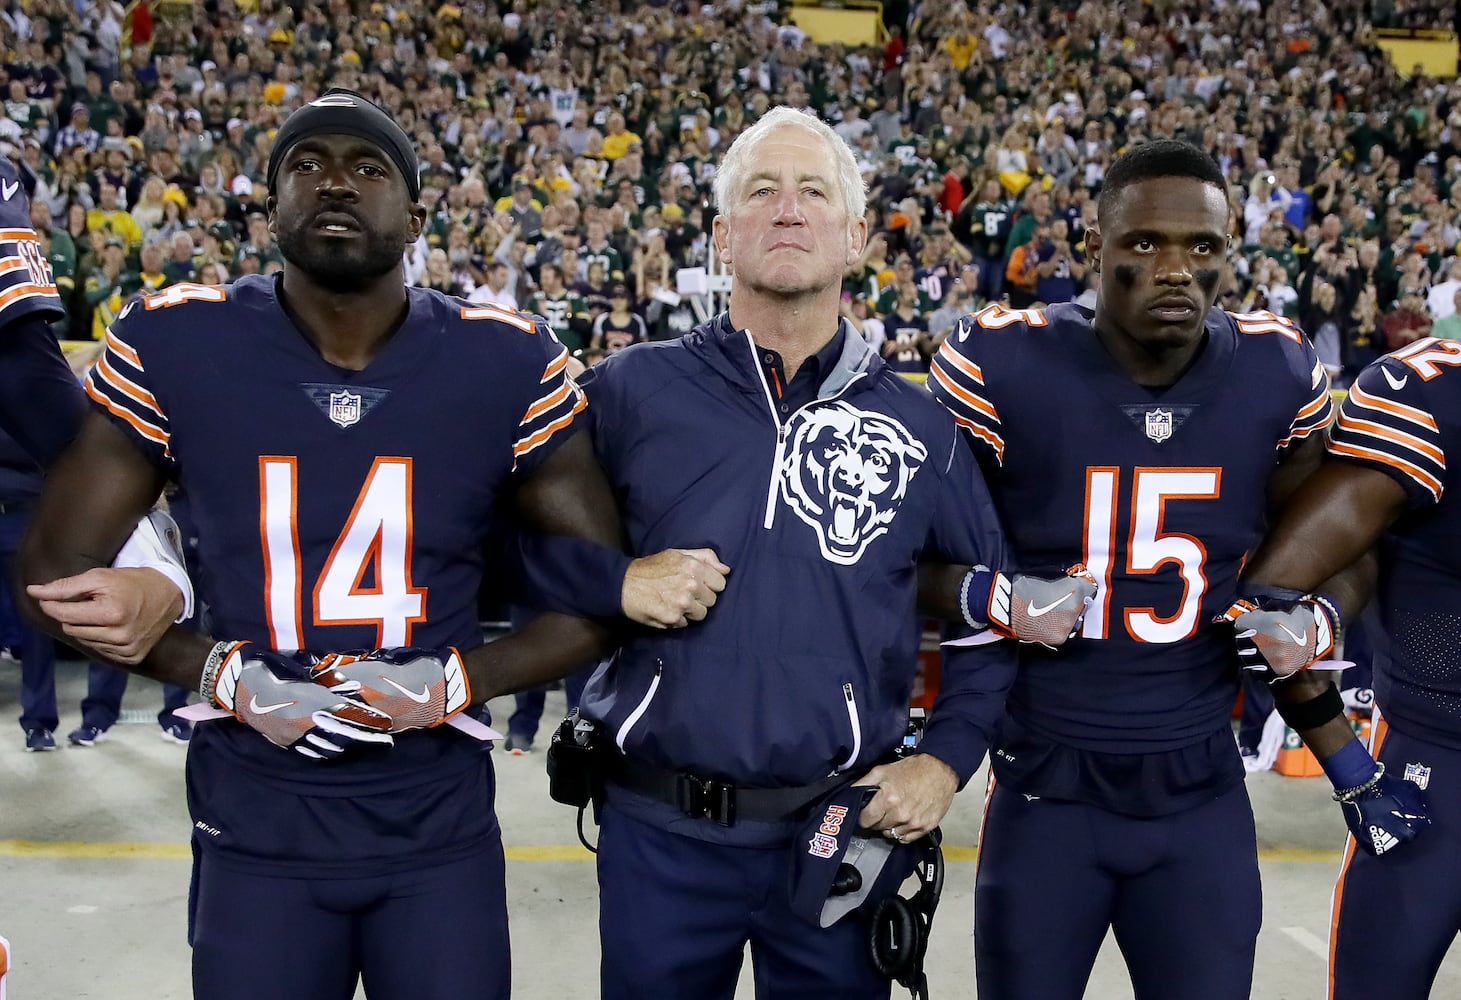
[
  {"x": 14, "y": 506},
  {"x": 717, "y": 800}
]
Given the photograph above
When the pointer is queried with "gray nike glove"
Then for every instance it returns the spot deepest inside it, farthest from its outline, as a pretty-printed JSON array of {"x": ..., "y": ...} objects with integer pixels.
[
  {"x": 277, "y": 697},
  {"x": 1038, "y": 609},
  {"x": 417, "y": 688},
  {"x": 1282, "y": 636}
]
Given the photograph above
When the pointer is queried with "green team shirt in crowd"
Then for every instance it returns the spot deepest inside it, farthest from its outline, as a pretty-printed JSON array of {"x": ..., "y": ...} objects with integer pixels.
[
  {"x": 888, "y": 301},
  {"x": 606, "y": 255},
  {"x": 990, "y": 223},
  {"x": 560, "y": 313},
  {"x": 904, "y": 149},
  {"x": 62, "y": 259}
]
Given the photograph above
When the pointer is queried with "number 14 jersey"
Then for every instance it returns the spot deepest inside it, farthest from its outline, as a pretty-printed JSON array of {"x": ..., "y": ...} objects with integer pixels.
[{"x": 1161, "y": 493}]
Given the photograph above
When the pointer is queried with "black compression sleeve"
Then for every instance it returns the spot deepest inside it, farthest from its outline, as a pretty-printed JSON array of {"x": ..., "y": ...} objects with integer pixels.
[{"x": 1312, "y": 714}]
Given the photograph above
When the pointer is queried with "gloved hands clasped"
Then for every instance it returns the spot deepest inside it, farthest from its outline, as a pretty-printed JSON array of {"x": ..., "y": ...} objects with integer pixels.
[
  {"x": 322, "y": 707},
  {"x": 1044, "y": 610}
]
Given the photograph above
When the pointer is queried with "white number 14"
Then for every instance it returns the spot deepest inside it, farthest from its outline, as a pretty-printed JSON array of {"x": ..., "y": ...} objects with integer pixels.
[{"x": 375, "y": 543}]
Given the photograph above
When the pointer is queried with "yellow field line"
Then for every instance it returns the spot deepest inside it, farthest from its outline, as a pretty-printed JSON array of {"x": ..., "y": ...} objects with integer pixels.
[{"x": 541, "y": 852}]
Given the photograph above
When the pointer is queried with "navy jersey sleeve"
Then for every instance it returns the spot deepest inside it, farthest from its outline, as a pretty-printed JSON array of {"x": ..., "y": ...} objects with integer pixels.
[
  {"x": 119, "y": 382},
  {"x": 27, "y": 286},
  {"x": 550, "y": 398},
  {"x": 1388, "y": 423},
  {"x": 956, "y": 376},
  {"x": 1314, "y": 409}
]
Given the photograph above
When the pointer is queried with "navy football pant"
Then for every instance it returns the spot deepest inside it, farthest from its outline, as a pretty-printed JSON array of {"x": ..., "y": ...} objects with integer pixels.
[
  {"x": 105, "y": 687},
  {"x": 1395, "y": 916},
  {"x": 1181, "y": 893},
  {"x": 675, "y": 915},
  {"x": 37, "y": 652},
  {"x": 431, "y": 933}
]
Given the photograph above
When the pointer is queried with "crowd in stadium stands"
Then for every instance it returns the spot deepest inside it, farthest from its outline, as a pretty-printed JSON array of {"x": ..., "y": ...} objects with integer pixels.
[{"x": 567, "y": 149}]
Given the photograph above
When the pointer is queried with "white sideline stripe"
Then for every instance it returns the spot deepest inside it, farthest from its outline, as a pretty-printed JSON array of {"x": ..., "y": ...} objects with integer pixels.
[{"x": 1308, "y": 941}]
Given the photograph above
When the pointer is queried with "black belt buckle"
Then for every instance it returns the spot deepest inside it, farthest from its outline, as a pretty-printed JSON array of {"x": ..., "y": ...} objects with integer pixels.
[{"x": 706, "y": 797}]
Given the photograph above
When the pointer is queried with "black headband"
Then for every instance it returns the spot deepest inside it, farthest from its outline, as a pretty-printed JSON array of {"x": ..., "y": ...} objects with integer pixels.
[{"x": 340, "y": 111}]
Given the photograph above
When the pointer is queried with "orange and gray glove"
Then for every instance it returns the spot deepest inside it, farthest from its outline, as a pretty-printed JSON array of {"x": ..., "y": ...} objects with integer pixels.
[
  {"x": 1282, "y": 633},
  {"x": 1044, "y": 610},
  {"x": 280, "y": 698},
  {"x": 418, "y": 688}
]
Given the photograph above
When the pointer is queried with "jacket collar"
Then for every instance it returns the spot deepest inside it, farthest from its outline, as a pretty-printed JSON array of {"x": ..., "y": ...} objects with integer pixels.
[{"x": 729, "y": 352}]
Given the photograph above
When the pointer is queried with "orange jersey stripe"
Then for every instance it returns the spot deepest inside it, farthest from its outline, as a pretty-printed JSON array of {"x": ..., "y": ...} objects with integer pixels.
[
  {"x": 555, "y": 366},
  {"x": 528, "y": 444},
  {"x": 1401, "y": 438},
  {"x": 1314, "y": 408},
  {"x": 1411, "y": 413},
  {"x": 987, "y": 436},
  {"x": 974, "y": 402},
  {"x": 1430, "y": 482},
  {"x": 549, "y": 401},
  {"x": 24, "y": 291},
  {"x": 127, "y": 387},
  {"x": 154, "y": 434},
  {"x": 953, "y": 357},
  {"x": 123, "y": 350},
  {"x": 18, "y": 234},
  {"x": 519, "y": 320}
]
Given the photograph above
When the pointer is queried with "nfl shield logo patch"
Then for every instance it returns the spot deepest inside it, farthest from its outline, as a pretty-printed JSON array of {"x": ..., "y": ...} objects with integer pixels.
[
  {"x": 1418, "y": 773},
  {"x": 1159, "y": 425},
  {"x": 345, "y": 408}
]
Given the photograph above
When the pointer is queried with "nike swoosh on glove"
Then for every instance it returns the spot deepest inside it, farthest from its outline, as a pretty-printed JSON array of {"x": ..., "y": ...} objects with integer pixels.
[
  {"x": 277, "y": 697},
  {"x": 1037, "y": 609},
  {"x": 417, "y": 688},
  {"x": 1280, "y": 636},
  {"x": 1384, "y": 813}
]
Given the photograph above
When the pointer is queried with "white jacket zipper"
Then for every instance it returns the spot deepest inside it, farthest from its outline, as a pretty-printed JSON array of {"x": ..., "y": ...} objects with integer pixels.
[
  {"x": 856, "y": 727},
  {"x": 642, "y": 707}
]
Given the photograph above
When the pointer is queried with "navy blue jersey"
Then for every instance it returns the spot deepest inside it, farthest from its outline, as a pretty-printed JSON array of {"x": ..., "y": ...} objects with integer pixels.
[
  {"x": 1160, "y": 492},
  {"x": 335, "y": 509},
  {"x": 27, "y": 286},
  {"x": 1403, "y": 418}
]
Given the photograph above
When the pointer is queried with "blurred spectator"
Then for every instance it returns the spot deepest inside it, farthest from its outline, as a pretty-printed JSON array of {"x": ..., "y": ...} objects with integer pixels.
[
  {"x": 1022, "y": 273},
  {"x": 1408, "y": 321},
  {"x": 1449, "y": 326},
  {"x": 617, "y": 327}
]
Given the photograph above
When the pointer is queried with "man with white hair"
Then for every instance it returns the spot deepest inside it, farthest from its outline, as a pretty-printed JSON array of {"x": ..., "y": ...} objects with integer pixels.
[{"x": 725, "y": 740}]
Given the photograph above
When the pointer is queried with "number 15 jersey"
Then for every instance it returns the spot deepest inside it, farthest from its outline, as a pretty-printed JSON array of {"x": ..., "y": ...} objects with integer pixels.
[{"x": 1161, "y": 493}]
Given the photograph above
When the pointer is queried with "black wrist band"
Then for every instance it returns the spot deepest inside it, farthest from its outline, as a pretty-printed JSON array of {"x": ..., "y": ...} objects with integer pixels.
[{"x": 1312, "y": 714}]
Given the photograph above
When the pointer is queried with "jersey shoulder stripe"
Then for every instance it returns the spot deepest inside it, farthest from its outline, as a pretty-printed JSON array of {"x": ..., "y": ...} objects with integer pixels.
[
  {"x": 1384, "y": 422},
  {"x": 27, "y": 284}
]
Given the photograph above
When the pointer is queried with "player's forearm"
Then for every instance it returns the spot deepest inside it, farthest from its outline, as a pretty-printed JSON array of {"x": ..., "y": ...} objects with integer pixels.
[
  {"x": 177, "y": 658},
  {"x": 1305, "y": 697},
  {"x": 938, "y": 590},
  {"x": 548, "y": 647}
]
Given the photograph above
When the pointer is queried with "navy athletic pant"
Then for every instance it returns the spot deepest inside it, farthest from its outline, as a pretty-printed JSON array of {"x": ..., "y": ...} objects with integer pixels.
[
  {"x": 430, "y": 933},
  {"x": 1181, "y": 893},
  {"x": 676, "y": 913},
  {"x": 1395, "y": 916}
]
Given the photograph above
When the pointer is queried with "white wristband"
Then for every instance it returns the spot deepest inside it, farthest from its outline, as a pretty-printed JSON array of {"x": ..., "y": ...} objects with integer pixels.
[{"x": 156, "y": 544}]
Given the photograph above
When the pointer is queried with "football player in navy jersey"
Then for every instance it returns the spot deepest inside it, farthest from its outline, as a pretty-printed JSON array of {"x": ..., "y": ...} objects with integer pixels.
[
  {"x": 343, "y": 442},
  {"x": 1148, "y": 441},
  {"x": 120, "y": 613},
  {"x": 1388, "y": 480}
]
